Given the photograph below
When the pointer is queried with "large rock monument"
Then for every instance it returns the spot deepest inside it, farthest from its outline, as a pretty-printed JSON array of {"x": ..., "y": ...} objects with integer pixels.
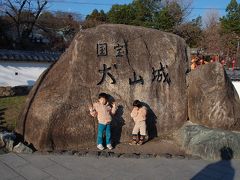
[{"x": 128, "y": 63}]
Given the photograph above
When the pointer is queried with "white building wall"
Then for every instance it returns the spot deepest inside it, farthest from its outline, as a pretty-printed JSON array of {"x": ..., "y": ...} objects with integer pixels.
[
  {"x": 20, "y": 73},
  {"x": 237, "y": 86}
]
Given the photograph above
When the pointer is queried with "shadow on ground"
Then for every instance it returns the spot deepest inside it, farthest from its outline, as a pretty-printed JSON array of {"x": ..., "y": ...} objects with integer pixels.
[{"x": 219, "y": 170}]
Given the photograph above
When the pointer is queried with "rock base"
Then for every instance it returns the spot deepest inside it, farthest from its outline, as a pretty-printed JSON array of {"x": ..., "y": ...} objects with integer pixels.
[
  {"x": 11, "y": 143},
  {"x": 210, "y": 144}
]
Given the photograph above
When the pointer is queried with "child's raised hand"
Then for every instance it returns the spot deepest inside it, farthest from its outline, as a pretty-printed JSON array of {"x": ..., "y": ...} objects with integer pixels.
[{"x": 114, "y": 105}]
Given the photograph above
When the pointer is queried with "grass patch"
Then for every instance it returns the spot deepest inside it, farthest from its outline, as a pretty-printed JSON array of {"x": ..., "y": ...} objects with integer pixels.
[{"x": 10, "y": 108}]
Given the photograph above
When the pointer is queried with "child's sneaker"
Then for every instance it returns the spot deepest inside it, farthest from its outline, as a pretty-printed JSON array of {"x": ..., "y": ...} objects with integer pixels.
[
  {"x": 100, "y": 147},
  {"x": 134, "y": 142},
  {"x": 109, "y": 146},
  {"x": 140, "y": 142}
]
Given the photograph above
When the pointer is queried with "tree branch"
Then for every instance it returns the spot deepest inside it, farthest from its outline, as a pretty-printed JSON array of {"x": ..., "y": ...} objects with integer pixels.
[
  {"x": 11, "y": 16},
  {"x": 21, "y": 7},
  {"x": 40, "y": 8}
]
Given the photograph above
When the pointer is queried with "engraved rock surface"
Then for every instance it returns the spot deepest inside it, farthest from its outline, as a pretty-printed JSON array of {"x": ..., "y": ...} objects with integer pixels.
[
  {"x": 106, "y": 59},
  {"x": 212, "y": 98}
]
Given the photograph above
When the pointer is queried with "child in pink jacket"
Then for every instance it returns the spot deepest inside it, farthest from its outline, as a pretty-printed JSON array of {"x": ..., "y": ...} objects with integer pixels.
[
  {"x": 103, "y": 111},
  {"x": 138, "y": 114}
]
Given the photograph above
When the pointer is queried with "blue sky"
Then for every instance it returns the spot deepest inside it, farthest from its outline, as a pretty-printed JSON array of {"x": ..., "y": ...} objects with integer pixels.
[{"x": 79, "y": 7}]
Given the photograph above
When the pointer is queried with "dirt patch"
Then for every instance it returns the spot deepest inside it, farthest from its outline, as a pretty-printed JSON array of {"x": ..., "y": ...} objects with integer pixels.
[
  {"x": 152, "y": 147},
  {"x": 157, "y": 147}
]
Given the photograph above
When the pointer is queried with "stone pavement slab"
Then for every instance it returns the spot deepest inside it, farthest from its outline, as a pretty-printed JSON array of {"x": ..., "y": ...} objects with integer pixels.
[
  {"x": 13, "y": 160},
  {"x": 38, "y": 161},
  {"x": 7, "y": 171},
  {"x": 31, "y": 172},
  {"x": 52, "y": 167}
]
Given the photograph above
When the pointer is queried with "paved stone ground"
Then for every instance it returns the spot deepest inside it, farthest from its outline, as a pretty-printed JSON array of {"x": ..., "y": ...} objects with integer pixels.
[{"x": 48, "y": 167}]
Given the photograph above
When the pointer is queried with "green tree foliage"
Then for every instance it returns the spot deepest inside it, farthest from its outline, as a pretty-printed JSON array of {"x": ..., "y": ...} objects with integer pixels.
[
  {"x": 147, "y": 13},
  {"x": 231, "y": 22},
  {"x": 97, "y": 16},
  {"x": 121, "y": 14},
  {"x": 143, "y": 11},
  {"x": 168, "y": 17},
  {"x": 230, "y": 27},
  {"x": 139, "y": 13}
]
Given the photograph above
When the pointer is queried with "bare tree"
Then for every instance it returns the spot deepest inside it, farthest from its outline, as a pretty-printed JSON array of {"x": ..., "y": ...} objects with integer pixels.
[
  {"x": 211, "y": 34},
  {"x": 24, "y": 15},
  {"x": 211, "y": 18}
]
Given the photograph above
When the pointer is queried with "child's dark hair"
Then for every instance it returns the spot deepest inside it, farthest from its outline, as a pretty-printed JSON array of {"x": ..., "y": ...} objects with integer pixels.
[
  {"x": 137, "y": 103},
  {"x": 103, "y": 95}
]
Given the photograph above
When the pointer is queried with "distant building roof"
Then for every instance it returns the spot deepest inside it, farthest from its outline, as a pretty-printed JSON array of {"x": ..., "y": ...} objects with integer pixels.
[{"x": 18, "y": 55}]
